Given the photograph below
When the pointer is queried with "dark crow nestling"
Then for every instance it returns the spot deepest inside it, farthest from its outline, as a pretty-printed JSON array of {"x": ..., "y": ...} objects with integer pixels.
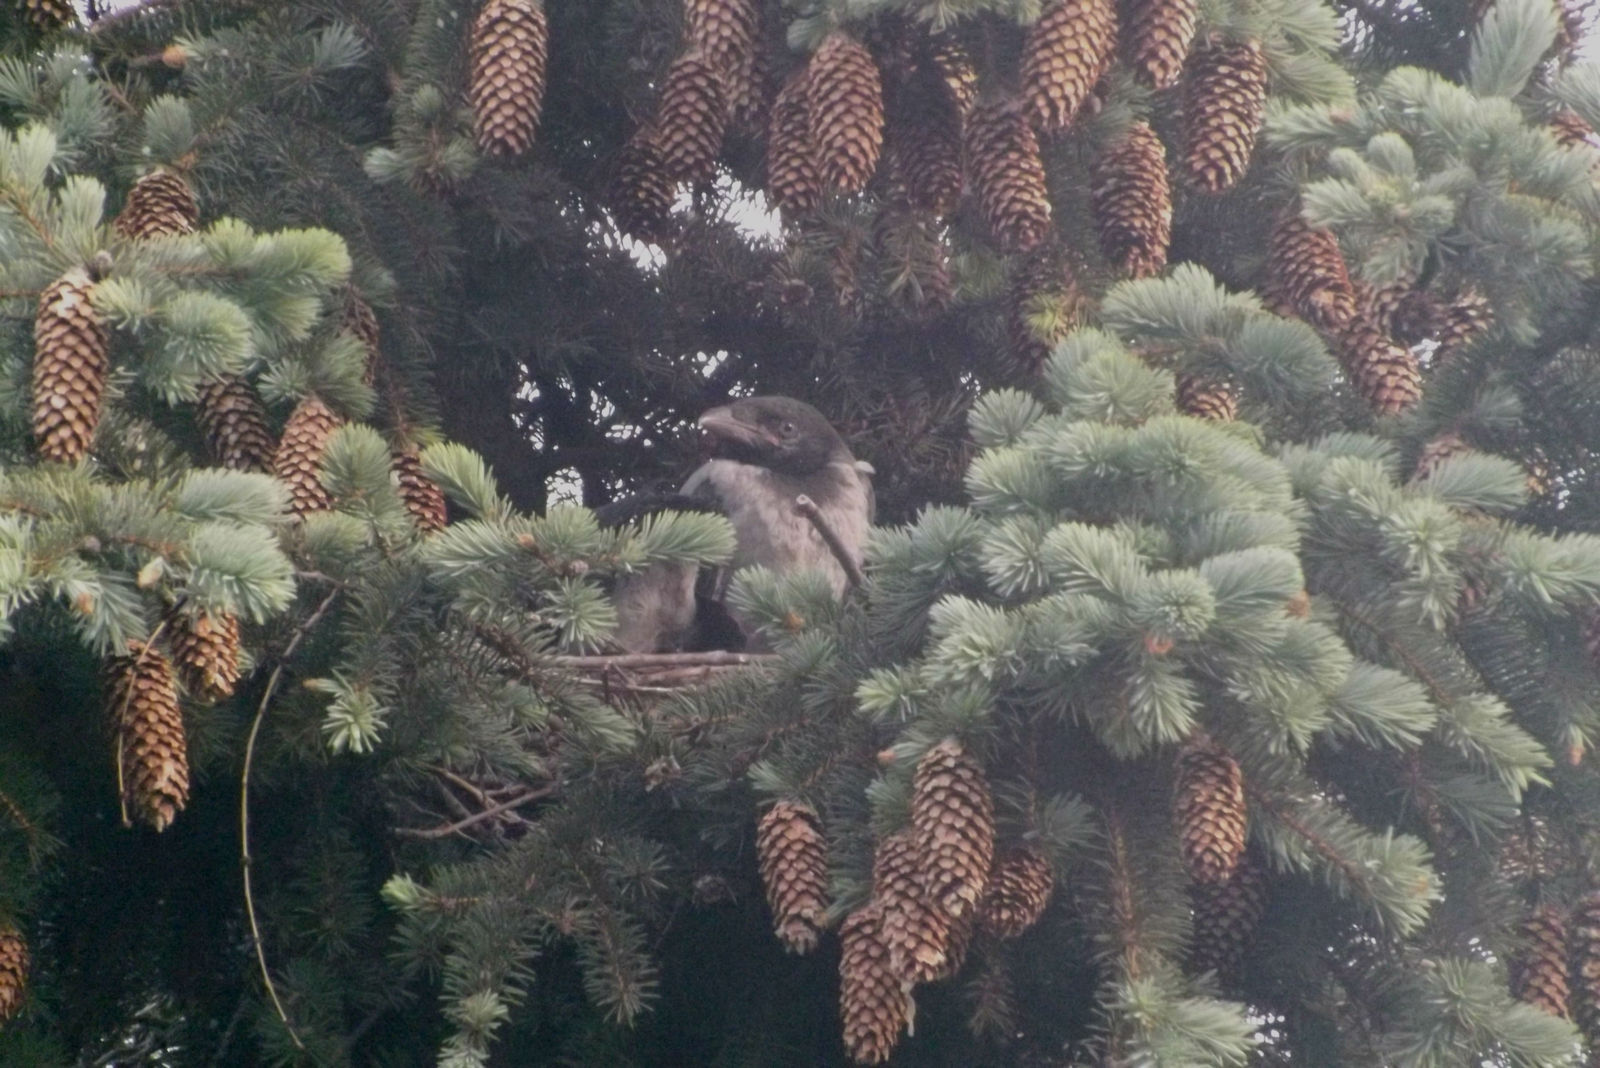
[{"x": 765, "y": 452}]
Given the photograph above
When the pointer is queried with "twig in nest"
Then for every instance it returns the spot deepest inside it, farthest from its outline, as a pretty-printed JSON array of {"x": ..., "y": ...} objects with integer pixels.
[
  {"x": 447, "y": 829},
  {"x": 714, "y": 658},
  {"x": 805, "y": 506}
]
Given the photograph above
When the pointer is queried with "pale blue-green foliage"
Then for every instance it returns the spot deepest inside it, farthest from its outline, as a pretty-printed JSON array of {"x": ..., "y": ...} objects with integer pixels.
[
  {"x": 1578, "y": 86},
  {"x": 58, "y": 90},
  {"x": 783, "y": 604},
  {"x": 1158, "y": 1024},
  {"x": 1460, "y": 1012},
  {"x": 355, "y": 718},
  {"x": 465, "y": 479},
  {"x": 1508, "y": 43}
]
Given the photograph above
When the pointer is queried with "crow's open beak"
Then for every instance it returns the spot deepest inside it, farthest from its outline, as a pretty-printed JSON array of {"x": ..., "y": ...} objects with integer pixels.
[{"x": 722, "y": 427}]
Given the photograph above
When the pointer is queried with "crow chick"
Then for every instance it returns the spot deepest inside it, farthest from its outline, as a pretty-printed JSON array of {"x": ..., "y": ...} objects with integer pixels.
[{"x": 765, "y": 452}]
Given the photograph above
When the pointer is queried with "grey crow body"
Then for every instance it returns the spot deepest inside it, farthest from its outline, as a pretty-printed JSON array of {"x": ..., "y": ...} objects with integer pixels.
[{"x": 765, "y": 453}]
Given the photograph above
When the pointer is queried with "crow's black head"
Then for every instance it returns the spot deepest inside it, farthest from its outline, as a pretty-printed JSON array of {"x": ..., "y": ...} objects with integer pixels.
[{"x": 776, "y": 432}]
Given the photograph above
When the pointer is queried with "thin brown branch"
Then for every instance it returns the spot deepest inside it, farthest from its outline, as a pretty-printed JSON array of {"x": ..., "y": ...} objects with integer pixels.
[
  {"x": 244, "y": 806},
  {"x": 805, "y": 506},
  {"x": 447, "y": 829},
  {"x": 715, "y": 658}
]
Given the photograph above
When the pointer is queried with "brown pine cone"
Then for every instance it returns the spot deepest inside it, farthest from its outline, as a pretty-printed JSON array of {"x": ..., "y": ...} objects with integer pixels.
[
  {"x": 70, "y": 364},
  {"x": 794, "y": 871},
  {"x": 1209, "y": 810},
  {"x": 206, "y": 649},
  {"x": 298, "y": 461},
  {"x": 1466, "y": 318},
  {"x": 844, "y": 105},
  {"x": 1306, "y": 271},
  {"x": 1205, "y": 399},
  {"x": 160, "y": 203},
  {"x": 509, "y": 49},
  {"x": 1159, "y": 35},
  {"x": 1044, "y": 306},
  {"x": 1583, "y": 947},
  {"x": 151, "y": 750},
  {"x": 1133, "y": 202},
  {"x": 1444, "y": 447},
  {"x": 928, "y": 152},
  {"x": 1225, "y": 917},
  {"x": 235, "y": 424},
  {"x": 915, "y": 933},
  {"x": 691, "y": 118},
  {"x": 1007, "y": 175},
  {"x": 1018, "y": 892},
  {"x": 48, "y": 15},
  {"x": 725, "y": 33},
  {"x": 1066, "y": 52},
  {"x": 641, "y": 190},
  {"x": 793, "y": 182},
  {"x": 952, "y": 814},
  {"x": 1223, "y": 105},
  {"x": 874, "y": 1006},
  {"x": 421, "y": 495},
  {"x": 1539, "y": 970},
  {"x": 359, "y": 321},
  {"x": 13, "y": 971},
  {"x": 958, "y": 77},
  {"x": 1385, "y": 373}
]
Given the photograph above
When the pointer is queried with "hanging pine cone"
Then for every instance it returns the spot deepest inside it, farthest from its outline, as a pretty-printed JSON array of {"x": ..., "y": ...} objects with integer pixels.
[
  {"x": 962, "y": 928},
  {"x": 509, "y": 48},
  {"x": 235, "y": 424},
  {"x": 692, "y": 118},
  {"x": 154, "y": 758},
  {"x": 1209, "y": 810},
  {"x": 160, "y": 203},
  {"x": 48, "y": 15},
  {"x": 1583, "y": 946},
  {"x": 794, "y": 870},
  {"x": 1133, "y": 203},
  {"x": 70, "y": 365},
  {"x": 1205, "y": 399},
  {"x": 1570, "y": 131},
  {"x": 725, "y": 33},
  {"x": 793, "y": 182},
  {"x": 1019, "y": 890},
  {"x": 1380, "y": 305},
  {"x": 1043, "y": 307},
  {"x": 1465, "y": 319},
  {"x": 874, "y": 1006},
  {"x": 750, "y": 92},
  {"x": 298, "y": 461},
  {"x": 958, "y": 77},
  {"x": 1539, "y": 970},
  {"x": 1225, "y": 917},
  {"x": 13, "y": 971},
  {"x": 1223, "y": 104},
  {"x": 206, "y": 650},
  {"x": 915, "y": 933},
  {"x": 929, "y": 157},
  {"x": 1008, "y": 175},
  {"x": 1067, "y": 50},
  {"x": 1383, "y": 372},
  {"x": 359, "y": 321},
  {"x": 844, "y": 105},
  {"x": 1444, "y": 447},
  {"x": 953, "y": 817},
  {"x": 422, "y": 496},
  {"x": 641, "y": 192},
  {"x": 1306, "y": 271},
  {"x": 1159, "y": 35}
]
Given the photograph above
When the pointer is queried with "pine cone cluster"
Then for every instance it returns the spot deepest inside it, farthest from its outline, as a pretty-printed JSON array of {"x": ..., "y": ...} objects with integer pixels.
[
  {"x": 160, "y": 203},
  {"x": 1043, "y": 307},
  {"x": 152, "y": 753},
  {"x": 1133, "y": 202},
  {"x": 641, "y": 193},
  {"x": 1209, "y": 811},
  {"x": 691, "y": 118},
  {"x": 298, "y": 461},
  {"x": 952, "y": 814},
  {"x": 235, "y": 424},
  {"x": 793, "y": 182},
  {"x": 1223, "y": 104},
  {"x": 1306, "y": 272},
  {"x": 793, "y": 857},
  {"x": 509, "y": 49},
  {"x": 1584, "y": 960},
  {"x": 1383, "y": 371},
  {"x": 1225, "y": 917},
  {"x": 874, "y": 1005},
  {"x": 70, "y": 364},
  {"x": 206, "y": 649},
  {"x": 1007, "y": 174},
  {"x": 916, "y": 933},
  {"x": 1066, "y": 52},
  {"x": 1205, "y": 399},
  {"x": 844, "y": 107},
  {"x": 1019, "y": 890},
  {"x": 1539, "y": 970},
  {"x": 421, "y": 495},
  {"x": 13, "y": 971},
  {"x": 1159, "y": 35}
]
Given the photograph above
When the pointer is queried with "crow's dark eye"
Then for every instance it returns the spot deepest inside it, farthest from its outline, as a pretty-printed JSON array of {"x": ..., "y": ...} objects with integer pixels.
[{"x": 787, "y": 428}]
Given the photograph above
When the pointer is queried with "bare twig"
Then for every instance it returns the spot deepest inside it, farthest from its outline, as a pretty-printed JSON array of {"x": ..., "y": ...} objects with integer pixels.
[
  {"x": 715, "y": 658},
  {"x": 244, "y": 806},
  {"x": 805, "y": 506},
  {"x": 447, "y": 829}
]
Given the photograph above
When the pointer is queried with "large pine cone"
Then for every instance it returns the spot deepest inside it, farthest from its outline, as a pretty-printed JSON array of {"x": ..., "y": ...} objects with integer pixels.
[
  {"x": 1008, "y": 175},
  {"x": 1018, "y": 892},
  {"x": 958, "y": 78},
  {"x": 49, "y": 15},
  {"x": 641, "y": 190},
  {"x": 206, "y": 649},
  {"x": 298, "y": 461},
  {"x": 421, "y": 495},
  {"x": 1133, "y": 202},
  {"x": 692, "y": 118},
  {"x": 13, "y": 971},
  {"x": 359, "y": 321},
  {"x": 1205, "y": 399},
  {"x": 928, "y": 159},
  {"x": 1209, "y": 810},
  {"x": 235, "y": 424},
  {"x": 1306, "y": 271},
  {"x": 874, "y": 1005},
  {"x": 915, "y": 933},
  {"x": 793, "y": 182},
  {"x": 1584, "y": 949},
  {"x": 1225, "y": 917},
  {"x": 1223, "y": 105},
  {"x": 154, "y": 757},
  {"x": 1539, "y": 970},
  {"x": 509, "y": 50},
  {"x": 1159, "y": 34},
  {"x": 726, "y": 32},
  {"x": 160, "y": 203},
  {"x": 70, "y": 364},
  {"x": 952, "y": 814},
  {"x": 844, "y": 101},
  {"x": 1065, "y": 53},
  {"x": 1384, "y": 372},
  {"x": 794, "y": 871}
]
